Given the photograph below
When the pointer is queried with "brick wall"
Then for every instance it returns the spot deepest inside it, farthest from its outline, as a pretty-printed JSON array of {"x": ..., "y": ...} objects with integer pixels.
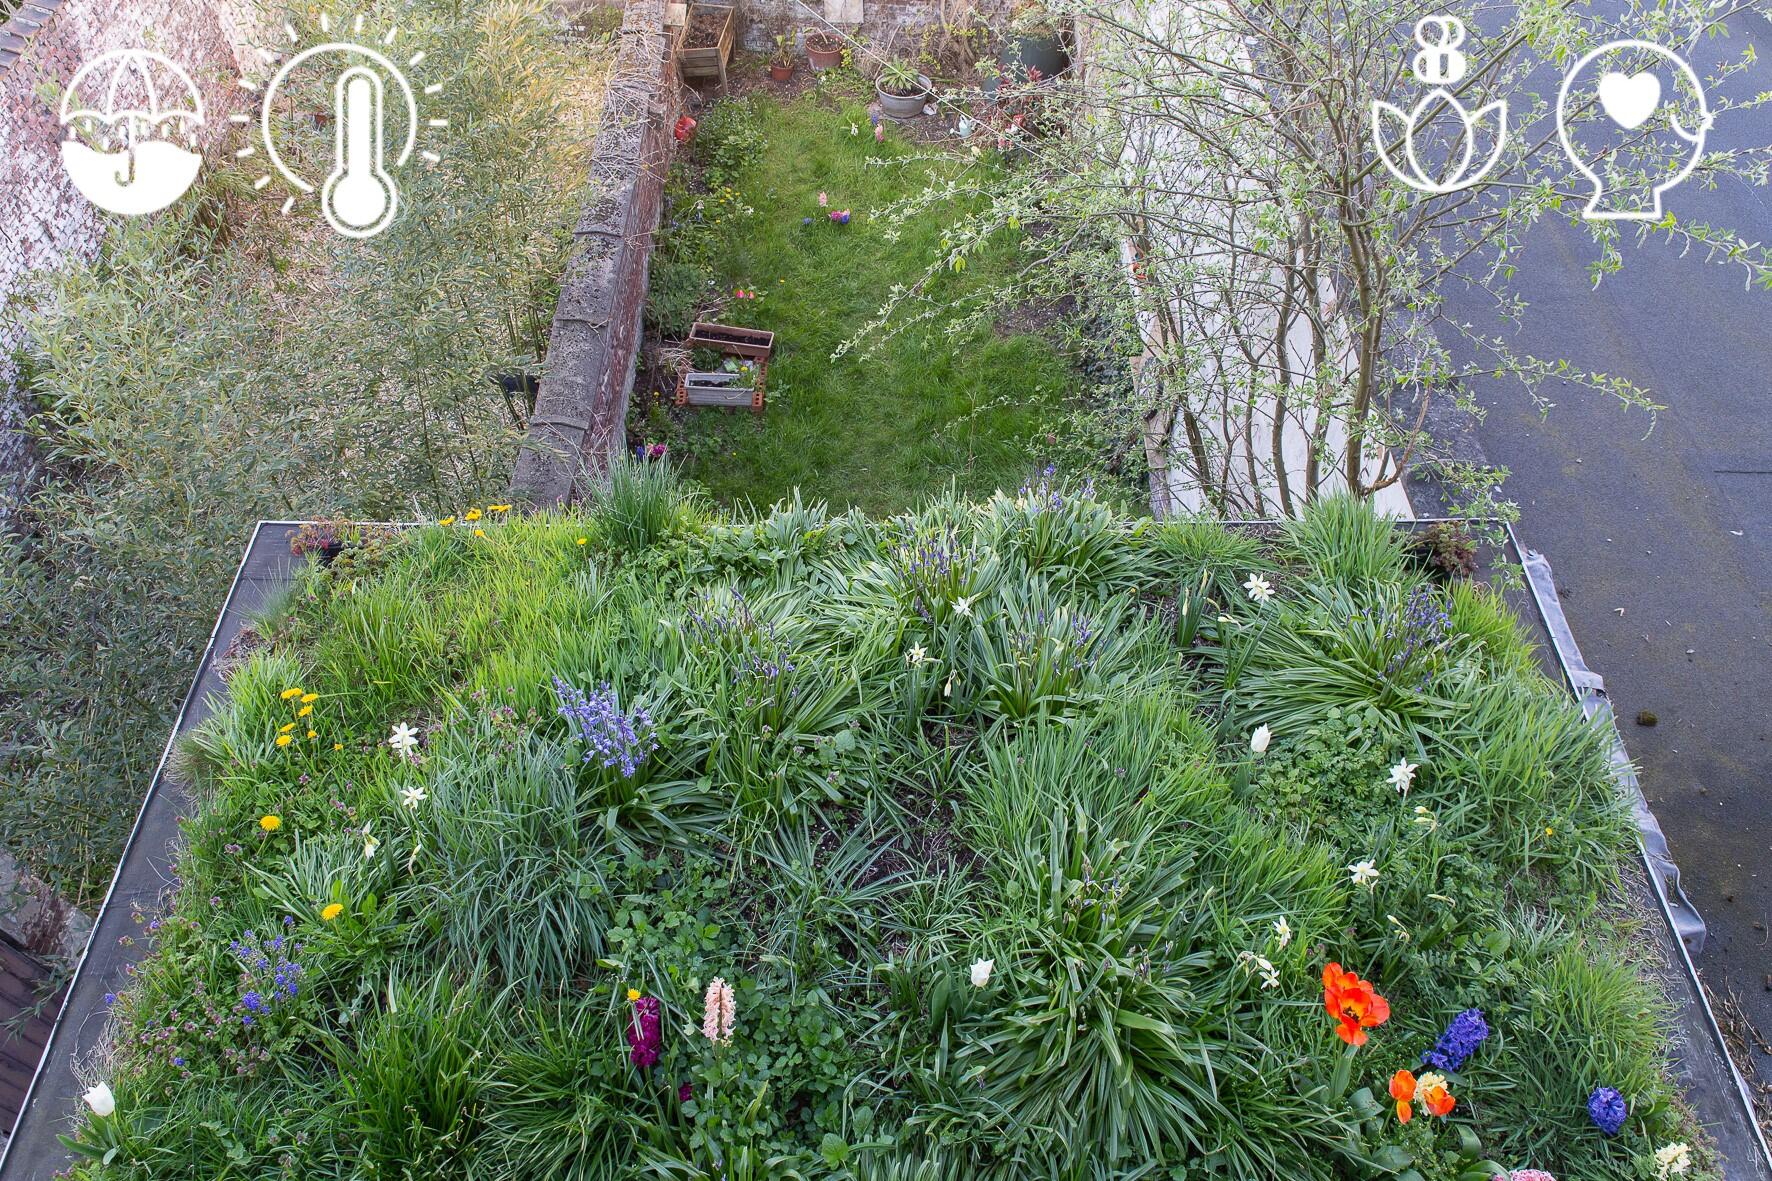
[
  {"x": 893, "y": 25},
  {"x": 44, "y": 220},
  {"x": 580, "y": 419}
]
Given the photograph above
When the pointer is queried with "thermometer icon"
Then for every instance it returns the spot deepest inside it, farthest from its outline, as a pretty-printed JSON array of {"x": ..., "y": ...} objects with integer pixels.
[{"x": 359, "y": 198}]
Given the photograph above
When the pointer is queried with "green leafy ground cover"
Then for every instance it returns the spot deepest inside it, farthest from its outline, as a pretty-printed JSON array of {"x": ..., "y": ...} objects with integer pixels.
[
  {"x": 873, "y": 428},
  {"x": 963, "y": 807},
  {"x": 222, "y": 363}
]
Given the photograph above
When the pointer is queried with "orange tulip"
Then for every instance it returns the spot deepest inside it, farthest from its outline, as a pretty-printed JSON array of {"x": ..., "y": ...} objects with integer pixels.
[
  {"x": 1429, "y": 1090},
  {"x": 1353, "y": 1003},
  {"x": 1403, "y": 1091}
]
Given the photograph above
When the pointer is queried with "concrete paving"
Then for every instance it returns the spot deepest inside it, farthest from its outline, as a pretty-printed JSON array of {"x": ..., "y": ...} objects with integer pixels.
[{"x": 1662, "y": 540}]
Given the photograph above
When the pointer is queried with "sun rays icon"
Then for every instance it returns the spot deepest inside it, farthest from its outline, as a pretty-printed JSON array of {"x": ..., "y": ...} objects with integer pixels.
[{"x": 374, "y": 113}]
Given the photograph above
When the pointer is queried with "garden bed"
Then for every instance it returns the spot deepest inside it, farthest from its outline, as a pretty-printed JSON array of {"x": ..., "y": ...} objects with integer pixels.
[{"x": 1022, "y": 832}]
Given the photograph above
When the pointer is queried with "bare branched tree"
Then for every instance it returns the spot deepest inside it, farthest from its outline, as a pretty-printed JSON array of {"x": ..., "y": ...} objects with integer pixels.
[{"x": 1210, "y": 180}]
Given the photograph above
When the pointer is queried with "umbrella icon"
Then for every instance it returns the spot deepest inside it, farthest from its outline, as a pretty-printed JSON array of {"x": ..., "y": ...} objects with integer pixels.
[{"x": 131, "y": 118}]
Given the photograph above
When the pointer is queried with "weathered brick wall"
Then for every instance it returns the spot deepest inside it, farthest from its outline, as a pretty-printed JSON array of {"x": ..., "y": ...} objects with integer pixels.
[
  {"x": 894, "y": 26},
  {"x": 44, "y": 220},
  {"x": 580, "y": 419}
]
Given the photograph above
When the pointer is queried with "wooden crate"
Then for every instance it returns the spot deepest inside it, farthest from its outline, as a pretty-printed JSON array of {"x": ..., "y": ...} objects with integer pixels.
[
  {"x": 754, "y": 343},
  {"x": 707, "y": 61}
]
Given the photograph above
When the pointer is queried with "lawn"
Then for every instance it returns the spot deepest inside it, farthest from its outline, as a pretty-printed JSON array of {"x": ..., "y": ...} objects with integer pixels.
[
  {"x": 874, "y": 428},
  {"x": 991, "y": 840}
]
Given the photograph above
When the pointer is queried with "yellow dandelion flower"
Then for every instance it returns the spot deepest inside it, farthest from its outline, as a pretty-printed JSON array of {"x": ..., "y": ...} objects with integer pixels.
[
  {"x": 289, "y": 693},
  {"x": 633, "y": 994},
  {"x": 479, "y": 533},
  {"x": 447, "y": 521},
  {"x": 472, "y": 514},
  {"x": 309, "y": 698},
  {"x": 304, "y": 711},
  {"x": 270, "y": 823},
  {"x": 583, "y": 540},
  {"x": 313, "y": 733},
  {"x": 284, "y": 739},
  {"x": 338, "y": 746},
  {"x": 286, "y": 727},
  {"x": 498, "y": 508},
  {"x": 331, "y": 911}
]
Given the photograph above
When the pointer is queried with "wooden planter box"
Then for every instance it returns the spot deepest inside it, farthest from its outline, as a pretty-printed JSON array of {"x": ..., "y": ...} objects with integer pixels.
[
  {"x": 739, "y": 342},
  {"x": 695, "y": 388},
  {"x": 706, "y": 61}
]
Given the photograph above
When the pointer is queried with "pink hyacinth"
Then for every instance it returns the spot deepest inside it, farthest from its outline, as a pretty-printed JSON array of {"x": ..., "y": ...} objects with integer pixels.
[
  {"x": 822, "y": 199},
  {"x": 719, "y": 1011},
  {"x": 1525, "y": 1175},
  {"x": 879, "y": 134}
]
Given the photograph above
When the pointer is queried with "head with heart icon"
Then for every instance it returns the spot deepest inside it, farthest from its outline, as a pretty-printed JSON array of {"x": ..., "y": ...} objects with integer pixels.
[{"x": 1633, "y": 118}]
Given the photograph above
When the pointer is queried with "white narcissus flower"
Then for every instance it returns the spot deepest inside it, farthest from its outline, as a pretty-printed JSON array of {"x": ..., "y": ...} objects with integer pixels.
[
  {"x": 963, "y": 607},
  {"x": 404, "y": 740},
  {"x": 1364, "y": 872},
  {"x": 1402, "y": 776},
  {"x": 1259, "y": 588},
  {"x": 370, "y": 844},
  {"x": 916, "y": 655},
  {"x": 1674, "y": 1158},
  {"x": 412, "y": 796},
  {"x": 981, "y": 972},
  {"x": 100, "y": 1099},
  {"x": 1283, "y": 931},
  {"x": 1270, "y": 975},
  {"x": 1258, "y": 741},
  {"x": 1426, "y": 818}
]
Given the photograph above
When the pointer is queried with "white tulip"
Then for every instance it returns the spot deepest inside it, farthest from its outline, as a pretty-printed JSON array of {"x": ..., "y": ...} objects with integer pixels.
[
  {"x": 100, "y": 1099},
  {"x": 981, "y": 972},
  {"x": 1259, "y": 740}
]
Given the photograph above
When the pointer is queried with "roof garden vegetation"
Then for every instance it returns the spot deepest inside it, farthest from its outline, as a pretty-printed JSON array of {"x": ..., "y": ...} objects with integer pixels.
[{"x": 998, "y": 839}]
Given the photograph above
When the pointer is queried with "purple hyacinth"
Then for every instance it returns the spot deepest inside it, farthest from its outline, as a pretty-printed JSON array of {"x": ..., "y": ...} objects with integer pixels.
[
  {"x": 1459, "y": 1042},
  {"x": 268, "y": 976},
  {"x": 645, "y": 1034},
  {"x": 1607, "y": 1109},
  {"x": 611, "y": 737}
]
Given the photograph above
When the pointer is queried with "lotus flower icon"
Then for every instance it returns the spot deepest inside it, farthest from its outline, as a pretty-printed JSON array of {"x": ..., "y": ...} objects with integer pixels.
[
  {"x": 1395, "y": 132},
  {"x": 131, "y": 118}
]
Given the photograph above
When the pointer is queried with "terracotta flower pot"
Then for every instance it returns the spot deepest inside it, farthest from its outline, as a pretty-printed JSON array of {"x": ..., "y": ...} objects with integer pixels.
[
  {"x": 781, "y": 73},
  {"x": 824, "y": 51}
]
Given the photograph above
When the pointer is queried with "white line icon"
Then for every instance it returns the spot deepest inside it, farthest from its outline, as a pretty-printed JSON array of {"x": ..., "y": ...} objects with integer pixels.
[
  {"x": 1439, "y": 63},
  {"x": 122, "y": 148},
  {"x": 1630, "y": 101},
  {"x": 358, "y": 198}
]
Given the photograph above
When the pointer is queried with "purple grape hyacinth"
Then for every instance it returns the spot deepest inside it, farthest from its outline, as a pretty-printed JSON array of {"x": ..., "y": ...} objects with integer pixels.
[
  {"x": 1461, "y": 1039},
  {"x": 1606, "y": 1107},
  {"x": 611, "y": 737}
]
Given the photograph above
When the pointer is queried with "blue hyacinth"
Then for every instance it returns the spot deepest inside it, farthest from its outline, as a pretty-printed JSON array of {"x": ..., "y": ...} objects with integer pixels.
[
  {"x": 1607, "y": 1109},
  {"x": 1460, "y": 1041},
  {"x": 612, "y": 738}
]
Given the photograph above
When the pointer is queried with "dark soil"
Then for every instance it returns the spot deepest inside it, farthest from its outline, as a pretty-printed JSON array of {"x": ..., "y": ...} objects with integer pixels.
[{"x": 705, "y": 27}]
